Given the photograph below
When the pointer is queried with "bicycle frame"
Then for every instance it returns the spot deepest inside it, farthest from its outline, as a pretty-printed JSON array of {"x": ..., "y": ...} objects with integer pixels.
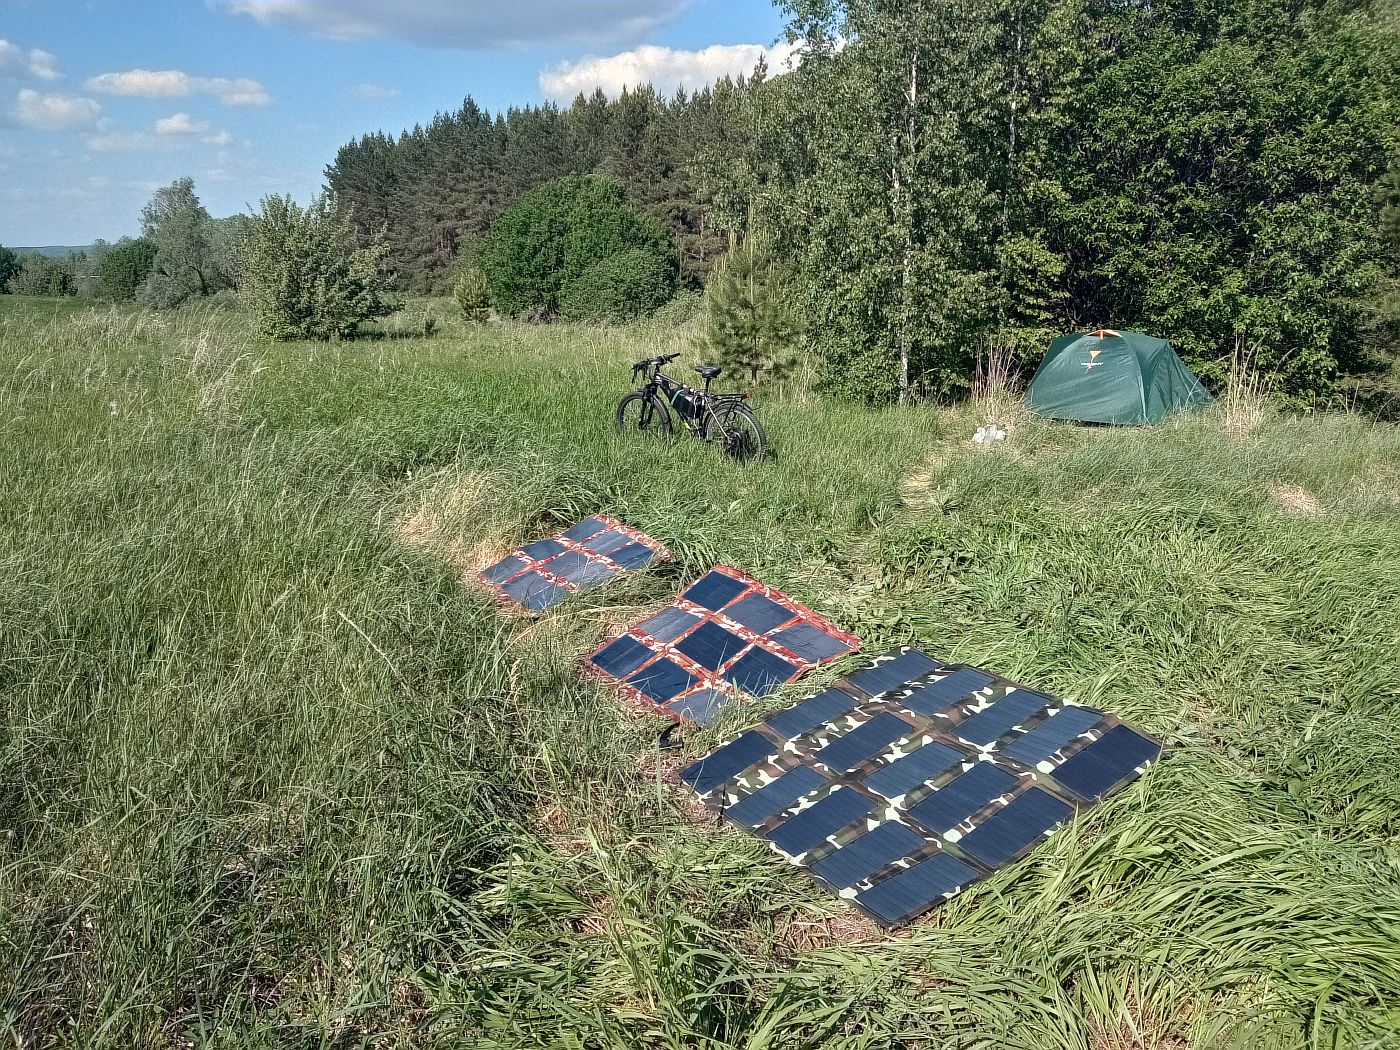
[{"x": 659, "y": 384}]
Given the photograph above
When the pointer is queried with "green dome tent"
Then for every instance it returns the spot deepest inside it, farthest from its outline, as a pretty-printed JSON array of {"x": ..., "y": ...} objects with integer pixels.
[{"x": 1113, "y": 377}]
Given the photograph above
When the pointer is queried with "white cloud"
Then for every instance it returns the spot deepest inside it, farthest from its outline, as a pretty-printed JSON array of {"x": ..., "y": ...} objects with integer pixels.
[
  {"x": 181, "y": 124},
  {"x": 54, "y": 112},
  {"x": 464, "y": 23},
  {"x": 375, "y": 92},
  {"x": 16, "y": 62},
  {"x": 172, "y": 83},
  {"x": 168, "y": 134},
  {"x": 662, "y": 67}
]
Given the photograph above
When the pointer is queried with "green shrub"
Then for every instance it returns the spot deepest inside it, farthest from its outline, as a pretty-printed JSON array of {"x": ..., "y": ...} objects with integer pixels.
[
  {"x": 41, "y": 275},
  {"x": 554, "y": 234},
  {"x": 472, "y": 295},
  {"x": 9, "y": 267},
  {"x": 748, "y": 321},
  {"x": 619, "y": 287},
  {"x": 125, "y": 267},
  {"x": 304, "y": 278}
]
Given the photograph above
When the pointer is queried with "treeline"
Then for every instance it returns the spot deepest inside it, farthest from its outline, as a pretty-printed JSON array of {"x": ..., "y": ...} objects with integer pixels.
[
  {"x": 942, "y": 183},
  {"x": 437, "y": 190}
]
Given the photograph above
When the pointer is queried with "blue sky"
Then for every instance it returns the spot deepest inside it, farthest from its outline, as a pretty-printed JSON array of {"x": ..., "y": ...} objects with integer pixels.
[{"x": 103, "y": 101}]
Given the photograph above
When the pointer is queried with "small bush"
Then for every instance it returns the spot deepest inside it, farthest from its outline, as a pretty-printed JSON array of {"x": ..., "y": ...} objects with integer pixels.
[
  {"x": 43, "y": 276},
  {"x": 472, "y": 295},
  {"x": 126, "y": 266},
  {"x": 618, "y": 288},
  {"x": 303, "y": 276}
]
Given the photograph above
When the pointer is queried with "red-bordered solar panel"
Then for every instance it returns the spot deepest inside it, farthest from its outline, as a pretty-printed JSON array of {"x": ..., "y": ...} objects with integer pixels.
[
  {"x": 542, "y": 574},
  {"x": 727, "y": 635}
]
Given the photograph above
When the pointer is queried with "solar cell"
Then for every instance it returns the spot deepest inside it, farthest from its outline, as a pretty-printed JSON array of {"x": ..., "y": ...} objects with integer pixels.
[
  {"x": 963, "y": 796},
  {"x": 543, "y": 550},
  {"x": 594, "y": 572},
  {"x": 810, "y": 643},
  {"x": 607, "y": 542},
  {"x": 893, "y": 673},
  {"x": 866, "y": 855},
  {"x": 622, "y": 657},
  {"x": 938, "y": 696},
  {"x": 898, "y": 806},
  {"x": 917, "y": 768},
  {"x": 700, "y": 707},
  {"x": 861, "y": 743},
  {"x": 662, "y": 680},
  {"x": 904, "y": 895},
  {"x": 634, "y": 556},
  {"x": 771, "y": 799},
  {"x": 812, "y": 712},
  {"x": 505, "y": 569},
  {"x": 711, "y": 646},
  {"x": 1022, "y": 822},
  {"x": 758, "y": 613},
  {"x": 1051, "y": 735},
  {"x": 585, "y": 529},
  {"x": 996, "y": 721},
  {"x": 1100, "y": 767},
  {"x": 533, "y": 591},
  {"x": 715, "y": 590},
  {"x": 758, "y": 672},
  {"x": 728, "y": 762},
  {"x": 669, "y": 624},
  {"x": 811, "y": 826}
]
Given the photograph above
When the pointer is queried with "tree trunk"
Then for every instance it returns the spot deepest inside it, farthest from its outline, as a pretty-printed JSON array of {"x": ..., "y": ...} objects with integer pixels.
[{"x": 904, "y": 200}]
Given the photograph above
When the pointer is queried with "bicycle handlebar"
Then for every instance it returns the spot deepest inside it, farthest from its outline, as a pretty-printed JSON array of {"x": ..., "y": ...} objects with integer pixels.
[{"x": 642, "y": 366}]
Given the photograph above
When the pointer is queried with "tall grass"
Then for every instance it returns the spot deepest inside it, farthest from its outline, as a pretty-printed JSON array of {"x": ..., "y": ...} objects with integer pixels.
[{"x": 271, "y": 776}]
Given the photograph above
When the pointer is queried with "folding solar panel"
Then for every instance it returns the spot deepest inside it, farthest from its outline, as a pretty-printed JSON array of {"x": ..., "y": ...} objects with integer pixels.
[
  {"x": 728, "y": 635},
  {"x": 910, "y": 780},
  {"x": 543, "y": 574}
]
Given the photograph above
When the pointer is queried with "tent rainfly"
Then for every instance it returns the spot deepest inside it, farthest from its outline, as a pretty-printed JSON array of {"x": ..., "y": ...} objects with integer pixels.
[{"x": 1113, "y": 377}]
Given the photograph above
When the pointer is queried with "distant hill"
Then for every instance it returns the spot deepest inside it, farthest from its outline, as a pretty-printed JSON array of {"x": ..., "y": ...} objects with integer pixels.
[{"x": 55, "y": 251}]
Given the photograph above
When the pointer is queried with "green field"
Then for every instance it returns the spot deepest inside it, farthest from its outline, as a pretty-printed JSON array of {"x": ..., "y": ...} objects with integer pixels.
[{"x": 272, "y": 776}]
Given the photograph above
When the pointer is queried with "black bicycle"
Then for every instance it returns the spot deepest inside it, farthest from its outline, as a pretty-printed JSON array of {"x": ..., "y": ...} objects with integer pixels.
[{"x": 721, "y": 419}]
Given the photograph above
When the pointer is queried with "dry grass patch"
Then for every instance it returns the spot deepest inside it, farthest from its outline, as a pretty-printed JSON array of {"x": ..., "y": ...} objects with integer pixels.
[
  {"x": 449, "y": 521},
  {"x": 805, "y": 933},
  {"x": 1294, "y": 499}
]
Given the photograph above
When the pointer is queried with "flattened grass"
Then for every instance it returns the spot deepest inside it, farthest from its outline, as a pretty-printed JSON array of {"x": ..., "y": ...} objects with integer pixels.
[{"x": 270, "y": 775}]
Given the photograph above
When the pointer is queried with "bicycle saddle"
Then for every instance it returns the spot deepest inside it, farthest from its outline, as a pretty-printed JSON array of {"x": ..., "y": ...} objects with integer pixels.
[{"x": 709, "y": 371}]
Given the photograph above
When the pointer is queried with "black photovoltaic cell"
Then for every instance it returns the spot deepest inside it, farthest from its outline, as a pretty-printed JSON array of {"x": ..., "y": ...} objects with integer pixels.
[
  {"x": 1024, "y": 820},
  {"x": 584, "y": 529},
  {"x": 593, "y": 572},
  {"x": 898, "y": 805},
  {"x": 811, "y": 713},
  {"x": 633, "y": 556},
  {"x": 1051, "y": 735},
  {"x": 903, "y": 775},
  {"x": 866, "y": 855},
  {"x": 711, "y": 646},
  {"x": 622, "y": 657},
  {"x": 810, "y": 643},
  {"x": 1101, "y": 766},
  {"x": 606, "y": 542},
  {"x": 759, "y": 672},
  {"x": 810, "y": 828},
  {"x": 865, "y": 741},
  {"x": 896, "y": 672},
  {"x": 569, "y": 563},
  {"x": 963, "y": 796},
  {"x": 940, "y": 695},
  {"x": 729, "y": 761},
  {"x": 700, "y": 707},
  {"x": 904, "y": 895},
  {"x": 714, "y": 591},
  {"x": 771, "y": 799},
  {"x": 661, "y": 680},
  {"x": 542, "y": 550},
  {"x": 758, "y": 613},
  {"x": 669, "y": 624},
  {"x": 999, "y": 719},
  {"x": 504, "y": 569},
  {"x": 533, "y": 591}
]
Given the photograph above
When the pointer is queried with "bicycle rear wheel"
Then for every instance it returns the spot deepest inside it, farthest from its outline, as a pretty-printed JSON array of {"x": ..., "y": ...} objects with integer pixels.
[
  {"x": 737, "y": 430},
  {"x": 642, "y": 413}
]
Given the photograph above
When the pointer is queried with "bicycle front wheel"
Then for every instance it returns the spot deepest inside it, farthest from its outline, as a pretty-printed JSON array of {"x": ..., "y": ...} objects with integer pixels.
[
  {"x": 737, "y": 430},
  {"x": 643, "y": 413}
]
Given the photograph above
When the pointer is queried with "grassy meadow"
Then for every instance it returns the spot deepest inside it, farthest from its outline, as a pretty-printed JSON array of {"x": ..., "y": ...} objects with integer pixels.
[{"x": 272, "y": 776}]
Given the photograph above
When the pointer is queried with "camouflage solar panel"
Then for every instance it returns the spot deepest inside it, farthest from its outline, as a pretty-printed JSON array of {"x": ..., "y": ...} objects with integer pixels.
[
  {"x": 910, "y": 780},
  {"x": 727, "y": 636},
  {"x": 543, "y": 574}
]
